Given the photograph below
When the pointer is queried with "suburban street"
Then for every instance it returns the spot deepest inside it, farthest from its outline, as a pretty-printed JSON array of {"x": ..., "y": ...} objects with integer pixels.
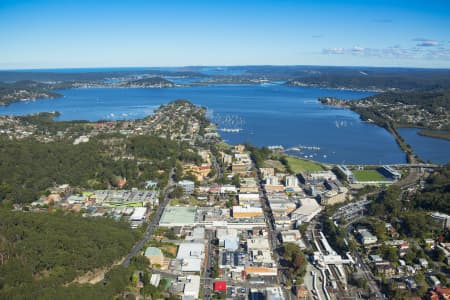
[{"x": 153, "y": 223}]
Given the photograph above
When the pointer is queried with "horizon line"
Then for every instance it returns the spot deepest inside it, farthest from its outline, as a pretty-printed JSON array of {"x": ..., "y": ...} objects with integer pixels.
[{"x": 238, "y": 65}]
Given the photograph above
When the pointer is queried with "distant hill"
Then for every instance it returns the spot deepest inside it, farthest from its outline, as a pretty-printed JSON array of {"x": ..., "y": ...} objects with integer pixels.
[
  {"x": 74, "y": 75},
  {"x": 376, "y": 79},
  {"x": 150, "y": 82},
  {"x": 24, "y": 90}
]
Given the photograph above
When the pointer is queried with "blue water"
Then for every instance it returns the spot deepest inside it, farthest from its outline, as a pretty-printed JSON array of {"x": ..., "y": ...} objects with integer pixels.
[
  {"x": 427, "y": 148},
  {"x": 268, "y": 115}
]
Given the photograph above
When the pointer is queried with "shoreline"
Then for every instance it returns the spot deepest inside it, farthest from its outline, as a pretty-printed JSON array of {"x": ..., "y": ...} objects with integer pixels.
[
  {"x": 433, "y": 134},
  {"x": 390, "y": 127}
]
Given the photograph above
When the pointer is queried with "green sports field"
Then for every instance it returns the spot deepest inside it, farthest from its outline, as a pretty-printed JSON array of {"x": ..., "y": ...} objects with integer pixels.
[{"x": 369, "y": 175}]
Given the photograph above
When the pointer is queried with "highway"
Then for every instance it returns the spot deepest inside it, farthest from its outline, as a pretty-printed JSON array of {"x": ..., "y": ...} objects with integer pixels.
[{"x": 153, "y": 223}]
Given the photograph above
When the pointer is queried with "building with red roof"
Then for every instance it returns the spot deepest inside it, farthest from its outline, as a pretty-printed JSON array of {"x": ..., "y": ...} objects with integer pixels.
[{"x": 220, "y": 286}]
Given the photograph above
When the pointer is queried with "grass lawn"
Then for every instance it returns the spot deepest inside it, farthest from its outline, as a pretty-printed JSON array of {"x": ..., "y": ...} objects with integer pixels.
[
  {"x": 368, "y": 175},
  {"x": 300, "y": 165},
  {"x": 276, "y": 164},
  {"x": 192, "y": 201}
]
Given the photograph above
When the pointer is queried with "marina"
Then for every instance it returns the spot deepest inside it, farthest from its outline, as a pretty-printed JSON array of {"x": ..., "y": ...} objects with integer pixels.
[{"x": 271, "y": 115}]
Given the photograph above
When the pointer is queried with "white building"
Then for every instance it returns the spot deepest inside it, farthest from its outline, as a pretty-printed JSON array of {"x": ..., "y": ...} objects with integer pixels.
[
  {"x": 247, "y": 212},
  {"x": 308, "y": 209},
  {"x": 248, "y": 198},
  {"x": 291, "y": 181},
  {"x": 366, "y": 237},
  {"x": 191, "y": 287},
  {"x": 155, "y": 279},
  {"x": 228, "y": 238},
  {"x": 261, "y": 256},
  {"x": 138, "y": 214},
  {"x": 290, "y": 236},
  {"x": 187, "y": 186},
  {"x": 198, "y": 234},
  {"x": 228, "y": 188},
  {"x": 272, "y": 180},
  {"x": 320, "y": 176},
  {"x": 191, "y": 256},
  {"x": 274, "y": 293},
  {"x": 258, "y": 244}
]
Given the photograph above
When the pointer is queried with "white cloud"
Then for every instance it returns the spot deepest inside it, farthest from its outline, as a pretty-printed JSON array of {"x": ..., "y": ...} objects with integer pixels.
[
  {"x": 424, "y": 42},
  {"x": 334, "y": 51},
  {"x": 396, "y": 52}
]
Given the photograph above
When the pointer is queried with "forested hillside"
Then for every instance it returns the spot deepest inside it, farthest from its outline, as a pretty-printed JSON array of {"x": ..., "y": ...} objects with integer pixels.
[
  {"x": 28, "y": 167},
  {"x": 429, "y": 100},
  {"x": 39, "y": 253},
  {"x": 24, "y": 90},
  {"x": 436, "y": 194}
]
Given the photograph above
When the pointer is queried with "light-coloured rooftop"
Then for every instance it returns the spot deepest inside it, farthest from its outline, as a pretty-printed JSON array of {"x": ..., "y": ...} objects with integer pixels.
[{"x": 178, "y": 215}]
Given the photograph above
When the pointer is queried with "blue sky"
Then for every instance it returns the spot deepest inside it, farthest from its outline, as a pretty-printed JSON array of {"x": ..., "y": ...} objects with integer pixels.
[{"x": 100, "y": 33}]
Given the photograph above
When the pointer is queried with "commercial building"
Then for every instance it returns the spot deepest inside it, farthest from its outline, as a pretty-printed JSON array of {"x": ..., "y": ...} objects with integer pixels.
[
  {"x": 239, "y": 168},
  {"x": 261, "y": 271},
  {"x": 281, "y": 205},
  {"x": 347, "y": 172},
  {"x": 333, "y": 197},
  {"x": 366, "y": 237},
  {"x": 290, "y": 236},
  {"x": 138, "y": 214},
  {"x": 274, "y": 293},
  {"x": 308, "y": 209},
  {"x": 187, "y": 186},
  {"x": 247, "y": 212},
  {"x": 319, "y": 176},
  {"x": 225, "y": 189},
  {"x": 196, "y": 235},
  {"x": 266, "y": 172},
  {"x": 191, "y": 287},
  {"x": 220, "y": 286},
  {"x": 258, "y": 244},
  {"x": 272, "y": 180},
  {"x": 389, "y": 172},
  {"x": 279, "y": 188},
  {"x": 291, "y": 181},
  {"x": 178, "y": 216},
  {"x": 248, "y": 198},
  {"x": 191, "y": 256}
]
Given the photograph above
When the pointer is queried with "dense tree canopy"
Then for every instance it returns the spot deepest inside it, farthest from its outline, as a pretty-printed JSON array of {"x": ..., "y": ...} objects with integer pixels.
[
  {"x": 28, "y": 167},
  {"x": 436, "y": 194},
  {"x": 41, "y": 252}
]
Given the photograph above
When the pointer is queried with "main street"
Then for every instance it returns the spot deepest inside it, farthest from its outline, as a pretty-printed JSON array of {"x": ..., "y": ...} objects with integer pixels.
[
  {"x": 209, "y": 257},
  {"x": 153, "y": 223},
  {"x": 272, "y": 234}
]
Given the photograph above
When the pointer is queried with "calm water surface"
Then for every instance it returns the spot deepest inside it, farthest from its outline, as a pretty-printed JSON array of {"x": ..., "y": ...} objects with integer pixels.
[
  {"x": 266, "y": 115},
  {"x": 427, "y": 148}
]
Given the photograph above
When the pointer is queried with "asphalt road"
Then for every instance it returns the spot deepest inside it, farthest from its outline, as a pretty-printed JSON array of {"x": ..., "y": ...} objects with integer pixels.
[
  {"x": 153, "y": 224},
  {"x": 207, "y": 274}
]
